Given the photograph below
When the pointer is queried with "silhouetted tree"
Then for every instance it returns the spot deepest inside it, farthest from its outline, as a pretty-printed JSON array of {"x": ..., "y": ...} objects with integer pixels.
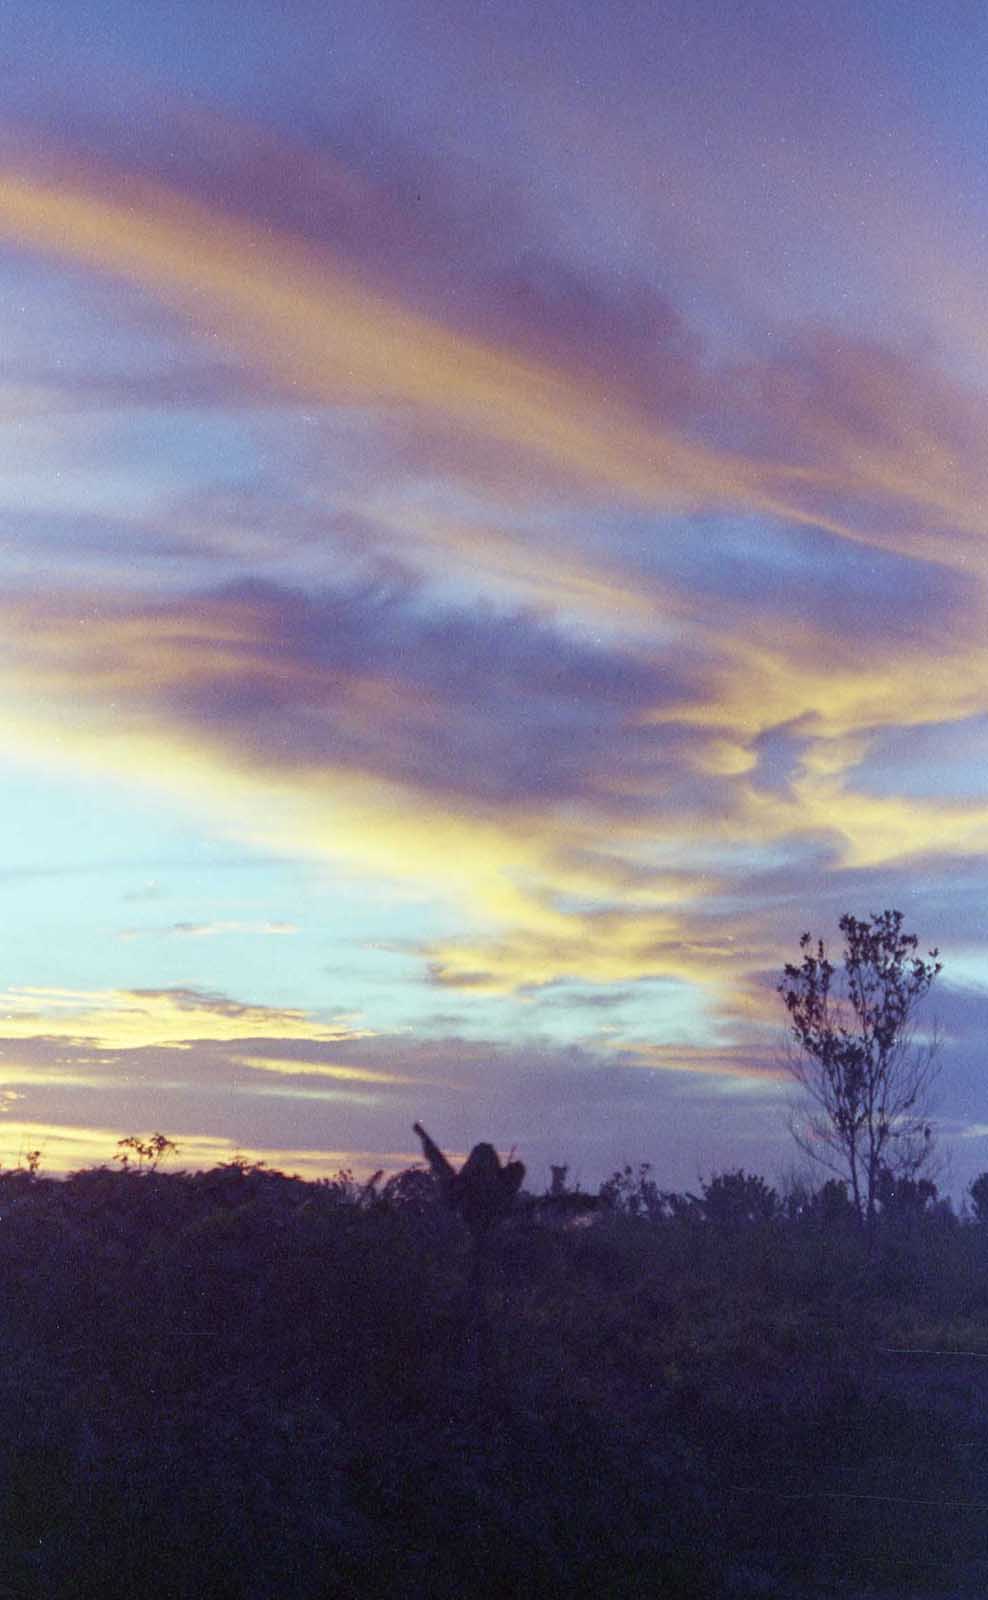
[
  {"x": 902, "y": 1197},
  {"x": 866, "y": 1077},
  {"x": 149, "y": 1152},
  {"x": 635, "y": 1193},
  {"x": 559, "y": 1177},
  {"x": 736, "y": 1199},
  {"x": 482, "y": 1192},
  {"x": 830, "y": 1206},
  {"x": 412, "y": 1191},
  {"x": 979, "y": 1197}
]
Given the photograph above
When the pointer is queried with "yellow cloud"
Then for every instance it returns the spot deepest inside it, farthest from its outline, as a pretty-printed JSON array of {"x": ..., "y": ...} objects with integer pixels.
[
  {"x": 288, "y": 1067},
  {"x": 304, "y": 319},
  {"x": 729, "y": 1061},
  {"x": 293, "y": 311},
  {"x": 523, "y": 877},
  {"x": 796, "y": 671},
  {"x": 79, "y": 696},
  {"x": 29, "y": 1073},
  {"x": 883, "y": 828},
  {"x": 128, "y": 1019},
  {"x": 547, "y": 570},
  {"x": 593, "y": 947},
  {"x": 373, "y": 824}
]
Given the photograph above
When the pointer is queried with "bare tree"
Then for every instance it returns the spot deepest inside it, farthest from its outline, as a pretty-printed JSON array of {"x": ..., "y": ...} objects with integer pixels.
[{"x": 866, "y": 1074}]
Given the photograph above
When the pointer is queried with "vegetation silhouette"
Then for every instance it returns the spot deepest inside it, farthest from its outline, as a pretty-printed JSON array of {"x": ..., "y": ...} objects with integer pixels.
[
  {"x": 237, "y": 1383},
  {"x": 482, "y": 1192},
  {"x": 866, "y": 1077}
]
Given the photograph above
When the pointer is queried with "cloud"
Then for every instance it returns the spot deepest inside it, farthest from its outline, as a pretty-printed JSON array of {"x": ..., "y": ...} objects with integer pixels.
[
  {"x": 758, "y": 578},
  {"x": 315, "y": 1104},
  {"x": 128, "y": 1019},
  {"x": 399, "y": 214},
  {"x": 189, "y": 386},
  {"x": 739, "y": 1063},
  {"x": 291, "y": 1067},
  {"x": 210, "y": 930},
  {"x": 369, "y": 681},
  {"x": 366, "y": 680},
  {"x": 319, "y": 246},
  {"x": 485, "y": 753},
  {"x": 312, "y": 323}
]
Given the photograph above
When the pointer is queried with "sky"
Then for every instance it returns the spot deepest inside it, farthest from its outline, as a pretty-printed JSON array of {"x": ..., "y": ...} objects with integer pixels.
[{"x": 492, "y": 549}]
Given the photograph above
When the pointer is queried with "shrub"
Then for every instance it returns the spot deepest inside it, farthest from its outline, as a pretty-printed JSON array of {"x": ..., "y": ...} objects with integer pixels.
[{"x": 738, "y": 1199}]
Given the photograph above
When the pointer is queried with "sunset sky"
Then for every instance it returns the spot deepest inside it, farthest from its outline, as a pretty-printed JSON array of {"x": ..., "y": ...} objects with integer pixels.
[{"x": 493, "y": 508}]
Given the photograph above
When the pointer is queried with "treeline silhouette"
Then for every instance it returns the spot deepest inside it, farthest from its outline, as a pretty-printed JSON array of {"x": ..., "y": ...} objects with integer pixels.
[{"x": 236, "y": 1383}]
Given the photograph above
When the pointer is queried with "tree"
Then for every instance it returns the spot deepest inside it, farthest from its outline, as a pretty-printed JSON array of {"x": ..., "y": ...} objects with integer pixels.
[
  {"x": 635, "y": 1194},
  {"x": 482, "y": 1192},
  {"x": 149, "y": 1151},
  {"x": 738, "y": 1199},
  {"x": 866, "y": 1076},
  {"x": 979, "y": 1197},
  {"x": 904, "y": 1198},
  {"x": 830, "y": 1206}
]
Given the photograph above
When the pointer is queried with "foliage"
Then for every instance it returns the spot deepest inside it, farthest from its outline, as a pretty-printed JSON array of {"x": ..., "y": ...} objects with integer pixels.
[
  {"x": 634, "y": 1193},
  {"x": 866, "y": 1079},
  {"x": 830, "y": 1206},
  {"x": 149, "y": 1152},
  {"x": 904, "y": 1197},
  {"x": 738, "y": 1199},
  {"x": 979, "y": 1197},
  {"x": 235, "y": 1383}
]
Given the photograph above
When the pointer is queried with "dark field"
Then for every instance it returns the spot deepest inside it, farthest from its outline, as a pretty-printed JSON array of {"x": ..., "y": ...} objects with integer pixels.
[{"x": 239, "y": 1384}]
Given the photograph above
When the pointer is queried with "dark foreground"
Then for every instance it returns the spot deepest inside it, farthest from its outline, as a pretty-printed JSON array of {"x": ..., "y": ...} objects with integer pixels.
[{"x": 235, "y": 1384}]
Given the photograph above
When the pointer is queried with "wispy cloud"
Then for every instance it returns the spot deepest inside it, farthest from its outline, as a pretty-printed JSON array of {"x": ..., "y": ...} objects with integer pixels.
[
  {"x": 579, "y": 529},
  {"x": 486, "y": 752},
  {"x": 136, "y": 1018},
  {"x": 210, "y": 930}
]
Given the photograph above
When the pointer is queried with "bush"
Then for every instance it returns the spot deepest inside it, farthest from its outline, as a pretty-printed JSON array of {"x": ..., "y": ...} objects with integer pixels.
[
  {"x": 738, "y": 1199},
  {"x": 236, "y": 1383}
]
